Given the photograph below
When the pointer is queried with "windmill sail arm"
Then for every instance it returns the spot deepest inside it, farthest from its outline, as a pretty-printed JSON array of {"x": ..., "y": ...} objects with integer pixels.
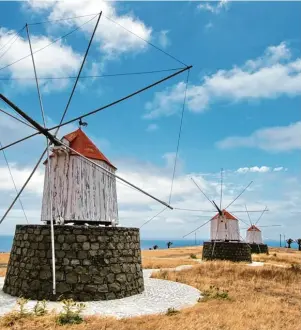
[
  {"x": 239, "y": 195},
  {"x": 202, "y": 192},
  {"x": 115, "y": 175}
]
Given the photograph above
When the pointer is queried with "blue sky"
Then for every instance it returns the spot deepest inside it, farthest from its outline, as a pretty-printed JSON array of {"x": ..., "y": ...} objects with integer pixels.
[{"x": 242, "y": 109}]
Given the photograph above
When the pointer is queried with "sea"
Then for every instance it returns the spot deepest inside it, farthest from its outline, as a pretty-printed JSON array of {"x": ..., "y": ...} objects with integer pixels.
[{"x": 146, "y": 244}]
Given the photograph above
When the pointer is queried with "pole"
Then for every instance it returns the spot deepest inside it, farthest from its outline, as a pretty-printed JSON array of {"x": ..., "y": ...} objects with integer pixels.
[
  {"x": 48, "y": 165},
  {"x": 284, "y": 240},
  {"x": 195, "y": 238},
  {"x": 280, "y": 241}
]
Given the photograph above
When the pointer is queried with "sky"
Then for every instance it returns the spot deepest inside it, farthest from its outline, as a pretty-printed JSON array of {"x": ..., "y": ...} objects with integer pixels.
[{"x": 241, "y": 113}]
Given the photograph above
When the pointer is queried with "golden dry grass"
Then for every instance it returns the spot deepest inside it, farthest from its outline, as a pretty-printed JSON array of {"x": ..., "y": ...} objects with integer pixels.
[
  {"x": 174, "y": 252},
  {"x": 261, "y": 298},
  {"x": 170, "y": 258},
  {"x": 3, "y": 263},
  {"x": 4, "y": 258},
  {"x": 152, "y": 263},
  {"x": 279, "y": 255}
]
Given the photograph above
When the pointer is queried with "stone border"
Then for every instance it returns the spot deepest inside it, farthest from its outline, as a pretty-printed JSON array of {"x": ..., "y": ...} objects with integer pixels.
[
  {"x": 159, "y": 295},
  {"x": 232, "y": 251}
]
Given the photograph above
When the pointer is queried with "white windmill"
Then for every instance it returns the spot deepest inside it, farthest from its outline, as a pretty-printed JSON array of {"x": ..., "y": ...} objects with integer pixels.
[
  {"x": 79, "y": 189},
  {"x": 224, "y": 228},
  {"x": 254, "y": 235}
]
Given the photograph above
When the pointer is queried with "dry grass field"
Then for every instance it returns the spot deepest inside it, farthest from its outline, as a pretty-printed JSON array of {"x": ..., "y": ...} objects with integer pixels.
[
  {"x": 3, "y": 262},
  {"x": 237, "y": 296},
  {"x": 170, "y": 258}
]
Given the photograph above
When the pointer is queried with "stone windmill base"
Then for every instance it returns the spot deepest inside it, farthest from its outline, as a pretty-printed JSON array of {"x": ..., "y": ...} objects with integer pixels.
[
  {"x": 92, "y": 263},
  {"x": 259, "y": 248},
  {"x": 232, "y": 251}
]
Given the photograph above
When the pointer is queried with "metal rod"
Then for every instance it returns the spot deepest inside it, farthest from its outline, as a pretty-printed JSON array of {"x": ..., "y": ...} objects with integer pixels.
[
  {"x": 202, "y": 192},
  {"x": 280, "y": 241},
  {"x": 104, "y": 107},
  {"x": 239, "y": 194},
  {"x": 248, "y": 215},
  {"x": 79, "y": 73},
  {"x": 261, "y": 215},
  {"x": 16, "y": 189},
  {"x": 198, "y": 228},
  {"x": 193, "y": 210},
  {"x": 48, "y": 165},
  {"x": 16, "y": 118},
  {"x": 23, "y": 187},
  {"x": 116, "y": 176},
  {"x": 40, "y": 128},
  {"x": 221, "y": 200}
]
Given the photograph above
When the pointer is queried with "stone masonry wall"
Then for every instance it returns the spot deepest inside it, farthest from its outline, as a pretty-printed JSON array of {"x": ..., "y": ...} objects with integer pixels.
[
  {"x": 237, "y": 251},
  {"x": 259, "y": 248},
  {"x": 92, "y": 263}
]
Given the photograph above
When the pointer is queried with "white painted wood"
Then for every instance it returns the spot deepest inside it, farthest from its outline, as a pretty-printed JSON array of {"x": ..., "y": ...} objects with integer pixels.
[
  {"x": 223, "y": 229},
  {"x": 254, "y": 236},
  {"x": 80, "y": 190}
]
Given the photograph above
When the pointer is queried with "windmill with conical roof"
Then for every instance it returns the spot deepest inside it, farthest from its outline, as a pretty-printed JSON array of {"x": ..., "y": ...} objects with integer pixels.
[
  {"x": 80, "y": 193},
  {"x": 225, "y": 242},
  {"x": 254, "y": 235}
]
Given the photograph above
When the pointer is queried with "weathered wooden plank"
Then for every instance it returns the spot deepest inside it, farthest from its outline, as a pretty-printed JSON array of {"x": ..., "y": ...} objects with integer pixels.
[{"x": 79, "y": 190}]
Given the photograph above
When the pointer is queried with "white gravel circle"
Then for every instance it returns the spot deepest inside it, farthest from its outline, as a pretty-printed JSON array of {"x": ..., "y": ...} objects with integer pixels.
[{"x": 158, "y": 296}]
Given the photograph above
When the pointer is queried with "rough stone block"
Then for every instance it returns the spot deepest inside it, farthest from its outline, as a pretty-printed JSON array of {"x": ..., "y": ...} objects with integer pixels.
[{"x": 92, "y": 263}]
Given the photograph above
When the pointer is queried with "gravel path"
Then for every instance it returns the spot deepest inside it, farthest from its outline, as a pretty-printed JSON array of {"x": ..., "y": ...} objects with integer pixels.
[{"x": 159, "y": 295}]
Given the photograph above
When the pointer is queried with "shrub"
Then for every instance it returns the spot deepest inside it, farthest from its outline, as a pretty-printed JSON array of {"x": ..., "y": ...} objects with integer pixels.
[
  {"x": 171, "y": 311},
  {"x": 71, "y": 313},
  {"x": 214, "y": 293},
  {"x": 296, "y": 267},
  {"x": 8, "y": 320},
  {"x": 40, "y": 308},
  {"x": 193, "y": 256}
]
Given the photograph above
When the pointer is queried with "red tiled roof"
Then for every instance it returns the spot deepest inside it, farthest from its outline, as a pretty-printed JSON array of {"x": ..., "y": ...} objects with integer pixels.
[
  {"x": 79, "y": 141},
  {"x": 227, "y": 215},
  {"x": 253, "y": 228}
]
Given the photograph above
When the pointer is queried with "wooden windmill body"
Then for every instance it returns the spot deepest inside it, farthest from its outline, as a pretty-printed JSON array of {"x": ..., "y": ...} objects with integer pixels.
[
  {"x": 224, "y": 227},
  {"x": 225, "y": 239},
  {"x": 254, "y": 235},
  {"x": 77, "y": 191}
]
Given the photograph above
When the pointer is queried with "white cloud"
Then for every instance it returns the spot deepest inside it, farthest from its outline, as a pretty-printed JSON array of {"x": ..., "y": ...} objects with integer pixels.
[
  {"x": 55, "y": 60},
  {"x": 208, "y": 26},
  {"x": 152, "y": 127},
  {"x": 255, "y": 79},
  {"x": 279, "y": 169},
  {"x": 214, "y": 8},
  {"x": 135, "y": 208},
  {"x": 163, "y": 39},
  {"x": 20, "y": 175},
  {"x": 274, "y": 139},
  {"x": 113, "y": 40},
  {"x": 257, "y": 169}
]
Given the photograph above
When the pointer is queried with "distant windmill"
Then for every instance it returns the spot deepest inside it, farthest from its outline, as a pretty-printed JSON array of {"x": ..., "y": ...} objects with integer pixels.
[
  {"x": 224, "y": 228},
  {"x": 254, "y": 235}
]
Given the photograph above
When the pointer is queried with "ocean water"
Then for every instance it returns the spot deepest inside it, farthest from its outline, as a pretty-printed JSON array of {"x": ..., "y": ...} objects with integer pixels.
[{"x": 6, "y": 243}]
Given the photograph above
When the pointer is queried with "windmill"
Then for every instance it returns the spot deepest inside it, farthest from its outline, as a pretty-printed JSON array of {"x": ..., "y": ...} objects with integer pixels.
[
  {"x": 78, "y": 177},
  {"x": 254, "y": 234},
  {"x": 225, "y": 240}
]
